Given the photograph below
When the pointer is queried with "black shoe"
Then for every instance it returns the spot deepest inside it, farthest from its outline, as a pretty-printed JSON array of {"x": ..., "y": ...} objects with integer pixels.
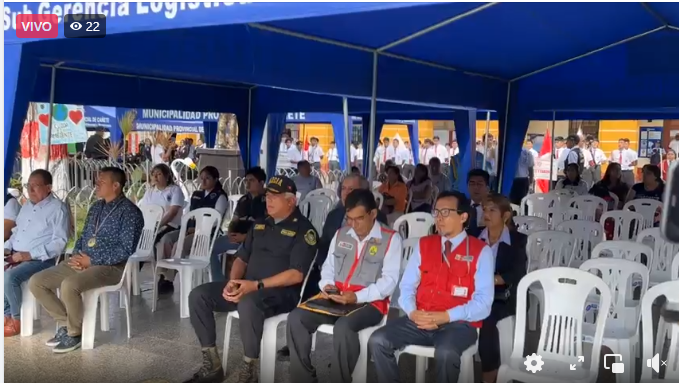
[
  {"x": 67, "y": 344},
  {"x": 249, "y": 372},
  {"x": 56, "y": 339},
  {"x": 165, "y": 286},
  {"x": 211, "y": 371},
  {"x": 283, "y": 355}
]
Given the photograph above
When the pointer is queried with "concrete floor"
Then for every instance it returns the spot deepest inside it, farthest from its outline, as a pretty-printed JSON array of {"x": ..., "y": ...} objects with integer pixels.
[{"x": 162, "y": 348}]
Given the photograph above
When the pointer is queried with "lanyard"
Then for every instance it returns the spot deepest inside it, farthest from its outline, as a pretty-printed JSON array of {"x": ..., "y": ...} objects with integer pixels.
[{"x": 97, "y": 224}]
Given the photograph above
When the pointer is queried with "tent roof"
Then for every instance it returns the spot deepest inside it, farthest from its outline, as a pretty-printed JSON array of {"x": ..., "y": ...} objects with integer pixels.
[{"x": 444, "y": 54}]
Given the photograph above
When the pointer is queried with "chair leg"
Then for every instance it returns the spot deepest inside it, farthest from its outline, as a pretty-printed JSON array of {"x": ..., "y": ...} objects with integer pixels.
[
  {"x": 227, "y": 341},
  {"x": 89, "y": 320},
  {"x": 420, "y": 369},
  {"x": 533, "y": 311},
  {"x": 103, "y": 312},
  {"x": 313, "y": 342},
  {"x": 28, "y": 310},
  {"x": 154, "y": 301},
  {"x": 360, "y": 373},
  {"x": 127, "y": 313},
  {"x": 267, "y": 364},
  {"x": 136, "y": 289},
  {"x": 185, "y": 284}
]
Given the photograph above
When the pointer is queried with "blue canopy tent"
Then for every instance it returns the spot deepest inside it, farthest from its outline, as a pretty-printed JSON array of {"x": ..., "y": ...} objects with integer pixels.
[{"x": 514, "y": 58}]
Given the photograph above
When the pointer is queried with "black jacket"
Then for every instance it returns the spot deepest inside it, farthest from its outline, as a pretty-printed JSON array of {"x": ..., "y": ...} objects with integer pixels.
[{"x": 511, "y": 263}]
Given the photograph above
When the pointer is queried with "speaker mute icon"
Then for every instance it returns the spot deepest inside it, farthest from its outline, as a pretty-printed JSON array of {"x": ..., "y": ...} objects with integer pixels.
[{"x": 655, "y": 363}]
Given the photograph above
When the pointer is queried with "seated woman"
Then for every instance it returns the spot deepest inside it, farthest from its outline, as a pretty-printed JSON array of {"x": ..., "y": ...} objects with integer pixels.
[
  {"x": 667, "y": 163},
  {"x": 166, "y": 194},
  {"x": 395, "y": 194},
  {"x": 651, "y": 187},
  {"x": 421, "y": 189},
  {"x": 611, "y": 183},
  {"x": 573, "y": 181},
  {"x": 12, "y": 208},
  {"x": 509, "y": 248},
  {"x": 210, "y": 195}
]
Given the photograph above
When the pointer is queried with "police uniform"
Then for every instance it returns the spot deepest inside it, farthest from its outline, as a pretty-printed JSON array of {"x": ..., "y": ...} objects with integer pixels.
[
  {"x": 272, "y": 247},
  {"x": 251, "y": 207}
]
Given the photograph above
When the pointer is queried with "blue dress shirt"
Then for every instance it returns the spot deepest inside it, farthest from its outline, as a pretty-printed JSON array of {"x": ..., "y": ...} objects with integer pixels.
[{"x": 478, "y": 308}]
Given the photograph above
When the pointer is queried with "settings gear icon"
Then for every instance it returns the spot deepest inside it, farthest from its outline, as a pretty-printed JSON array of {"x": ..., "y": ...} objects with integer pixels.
[{"x": 534, "y": 363}]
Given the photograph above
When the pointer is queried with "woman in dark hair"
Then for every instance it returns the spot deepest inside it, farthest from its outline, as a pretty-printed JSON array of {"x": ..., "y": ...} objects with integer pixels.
[
  {"x": 420, "y": 188},
  {"x": 509, "y": 248},
  {"x": 611, "y": 183},
  {"x": 395, "y": 194},
  {"x": 650, "y": 187},
  {"x": 167, "y": 195},
  {"x": 573, "y": 181}
]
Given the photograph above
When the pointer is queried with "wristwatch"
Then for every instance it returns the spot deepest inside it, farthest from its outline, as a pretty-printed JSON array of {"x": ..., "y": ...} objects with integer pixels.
[{"x": 260, "y": 285}]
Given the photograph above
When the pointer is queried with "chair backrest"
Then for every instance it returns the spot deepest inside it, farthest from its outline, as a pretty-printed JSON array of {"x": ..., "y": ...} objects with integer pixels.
[
  {"x": 408, "y": 245},
  {"x": 414, "y": 225},
  {"x": 316, "y": 208},
  {"x": 671, "y": 292},
  {"x": 631, "y": 251},
  {"x": 233, "y": 203},
  {"x": 152, "y": 216},
  {"x": 563, "y": 197},
  {"x": 330, "y": 193},
  {"x": 539, "y": 205},
  {"x": 306, "y": 277},
  {"x": 616, "y": 200},
  {"x": 528, "y": 224},
  {"x": 379, "y": 198},
  {"x": 206, "y": 229},
  {"x": 618, "y": 275},
  {"x": 587, "y": 235},
  {"x": 434, "y": 194},
  {"x": 410, "y": 200},
  {"x": 675, "y": 268},
  {"x": 516, "y": 209},
  {"x": 663, "y": 253},
  {"x": 648, "y": 208},
  {"x": 627, "y": 224},
  {"x": 589, "y": 205},
  {"x": 549, "y": 249},
  {"x": 566, "y": 214},
  {"x": 566, "y": 291},
  {"x": 376, "y": 185}
]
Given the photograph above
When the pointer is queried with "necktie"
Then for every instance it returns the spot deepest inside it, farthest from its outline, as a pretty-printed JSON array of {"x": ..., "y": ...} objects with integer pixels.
[
  {"x": 448, "y": 249},
  {"x": 384, "y": 157},
  {"x": 410, "y": 159},
  {"x": 620, "y": 157}
]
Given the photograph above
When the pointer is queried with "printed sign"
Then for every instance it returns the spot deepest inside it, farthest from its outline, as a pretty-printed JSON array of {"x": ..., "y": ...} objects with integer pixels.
[{"x": 68, "y": 123}]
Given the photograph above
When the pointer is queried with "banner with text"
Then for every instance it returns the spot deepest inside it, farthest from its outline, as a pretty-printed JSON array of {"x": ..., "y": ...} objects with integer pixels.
[
  {"x": 68, "y": 123},
  {"x": 171, "y": 126}
]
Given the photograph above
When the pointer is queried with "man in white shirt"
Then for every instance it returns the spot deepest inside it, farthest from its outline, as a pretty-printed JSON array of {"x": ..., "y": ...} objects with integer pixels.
[
  {"x": 440, "y": 150},
  {"x": 383, "y": 153},
  {"x": 333, "y": 157},
  {"x": 523, "y": 178},
  {"x": 598, "y": 159},
  {"x": 478, "y": 184},
  {"x": 405, "y": 154},
  {"x": 42, "y": 230},
  {"x": 294, "y": 155},
  {"x": 315, "y": 154},
  {"x": 284, "y": 143},
  {"x": 529, "y": 146},
  {"x": 157, "y": 153},
  {"x": 359, "y": 275},
  {"x": 674, "y": 145},
  {"x": 395, "y": 143},
  {"x": 454, "y": 148},
  {"x": 627, "y": 159},
  {"x": 429, "y": 152}
]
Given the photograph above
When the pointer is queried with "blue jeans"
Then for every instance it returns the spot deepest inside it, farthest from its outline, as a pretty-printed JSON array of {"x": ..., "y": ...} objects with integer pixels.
[
  {"x": 14, "y": 277},
  {"x": 222, "y": 245}
]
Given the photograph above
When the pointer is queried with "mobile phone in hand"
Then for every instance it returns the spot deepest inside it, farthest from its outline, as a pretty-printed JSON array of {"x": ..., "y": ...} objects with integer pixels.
[{"x": 332, "y": 291}]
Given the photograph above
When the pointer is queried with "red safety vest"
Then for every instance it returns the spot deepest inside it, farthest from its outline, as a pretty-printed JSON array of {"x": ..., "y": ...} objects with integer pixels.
[{"x": 438, "y": 281}]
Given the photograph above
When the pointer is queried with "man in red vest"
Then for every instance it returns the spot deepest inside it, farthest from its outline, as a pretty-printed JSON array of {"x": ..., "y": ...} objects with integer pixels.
[{"x": 447, "y": 289}]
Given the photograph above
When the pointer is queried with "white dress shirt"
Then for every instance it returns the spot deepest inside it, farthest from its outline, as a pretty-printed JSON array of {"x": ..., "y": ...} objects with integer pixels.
[
  {"x": 41, "y": 229},
  {"x": 359, "y": 154},
  {"x": 624, "y": 157},
  {"x": 427, "y": 155},
  {"x": 598, "y": 156},
  {"x": 479, "y": 306},
  {"x": 353, "y": 152},
  {"x": 382, "y": 155},
  {"x": 454, "y": 151},
  {"x": 534, "y": 153},
  {"x": 391, "y": 266},
  {"x": 157, "y": 152},
  {"x": 333, "y": 155},
  {"x": 315, "y": 154},
  {"x": 587, "y": 155},
  {"x": 504, "y": 237},
  {"x": 12, "y": 209},
  {"x": 404, "y": 156},
  {"x": 294, "y": 155},
  {"x": 442, "y": 153},
  {"x": 172, "y": 195},
  {"x": 526, "y": 161},
  {"x": 674, "y": 145}
]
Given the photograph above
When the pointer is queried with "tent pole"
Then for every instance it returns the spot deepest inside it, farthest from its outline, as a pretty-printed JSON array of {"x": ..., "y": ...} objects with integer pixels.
[
  {"x": 551, "y": 154},
  {"x": 373, "y": 116},
  {"x": 504, "y": 138},
  {"x": 485, "y": 143},
  {"x": 51, "y": 114},
  {"x": 347, "y": 135},
  {"x": 249, "y": 125}
]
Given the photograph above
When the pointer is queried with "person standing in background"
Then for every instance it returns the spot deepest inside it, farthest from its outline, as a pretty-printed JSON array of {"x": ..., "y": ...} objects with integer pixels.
[
  {"x": 529, "y": 146},
  {"x": 394, "y": 153},
  {"x": 665, "y": 165},
  {"x": 524, "y": 177},
  {"x": 454, "y": 148},
  {"x": 598, "y": 159},
  {"x": 284, "y": 143},
  {"x": 440, "y": 150},
  {"x": 627, "y": 159},
  {"x": 95, "y": 147},
  {"x": 429, "y": 151},
  {"x": 333, "y": 157},
  {"x": 315, "y": 154},
  {"x": 674, "y": 144},
  {"x": 382, "y": 155}
]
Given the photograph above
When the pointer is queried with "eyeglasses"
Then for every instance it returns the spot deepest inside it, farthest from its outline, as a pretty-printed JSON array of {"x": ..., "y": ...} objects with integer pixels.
[
  {"x": 444, "y": 212},
  {"x": 351, "y": 220}
]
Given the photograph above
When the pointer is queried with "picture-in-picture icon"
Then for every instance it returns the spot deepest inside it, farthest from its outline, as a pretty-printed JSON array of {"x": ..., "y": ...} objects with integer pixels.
[{"x": 615, "y": 367}]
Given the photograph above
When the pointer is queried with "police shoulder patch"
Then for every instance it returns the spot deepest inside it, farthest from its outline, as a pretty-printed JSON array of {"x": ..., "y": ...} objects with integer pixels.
[
  {"x": 260, "y": 226},
  {"x": 310, "y": 237}
]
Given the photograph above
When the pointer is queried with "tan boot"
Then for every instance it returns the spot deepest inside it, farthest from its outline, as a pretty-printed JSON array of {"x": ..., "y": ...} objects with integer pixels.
[{"x": 12, "y": 327}]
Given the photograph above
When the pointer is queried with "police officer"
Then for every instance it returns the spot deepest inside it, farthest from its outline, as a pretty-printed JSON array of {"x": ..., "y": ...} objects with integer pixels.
[
  {"x": 265, "y": 280},
  {"x": 362, "y": 269}
]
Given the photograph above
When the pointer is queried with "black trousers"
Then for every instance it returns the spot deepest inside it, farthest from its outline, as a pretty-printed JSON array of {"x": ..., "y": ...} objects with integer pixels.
[
  {"x": 520, "y": 188},
  {"x": 489, "y": 337},
  {"x": 346, "y": 345},
  {"x": 253, "y": 309},
  {"x": 449, "y": 341}
]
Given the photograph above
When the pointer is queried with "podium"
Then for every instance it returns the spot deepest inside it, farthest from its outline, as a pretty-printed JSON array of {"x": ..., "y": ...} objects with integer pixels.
[{"x": 227, "y": 161}]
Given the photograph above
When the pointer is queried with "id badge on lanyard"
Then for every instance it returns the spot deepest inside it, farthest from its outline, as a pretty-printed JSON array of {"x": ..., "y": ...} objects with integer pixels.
[{"x": 459, "y": 290}]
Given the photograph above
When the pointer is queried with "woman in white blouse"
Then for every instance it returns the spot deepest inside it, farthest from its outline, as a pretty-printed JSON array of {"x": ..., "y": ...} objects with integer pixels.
[{"x": 573, "y": 181}]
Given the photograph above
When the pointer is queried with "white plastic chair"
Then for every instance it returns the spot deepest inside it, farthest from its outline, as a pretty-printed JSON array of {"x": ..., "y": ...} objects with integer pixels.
[
  {"x": 627, "y": 224},
  {"x": 94, "y": 297},
  {"x": 152, "y": 216},
  {"x": 675, "y": 268},
  {"x": 546, "y": 249},
  {"x": 267, "y": 353},
  {"x": 671, "y": 292},
  {"x": 587, "y": 235},
  {"x": 566, "y": 214},
  {"x": 540, "y": 205},
  {"x": 207, "y": 222},
  {"x": 316, "y": 208},
  {"x": 422, "y": 353},
  {"x": 563, "y": 197},
  {"x": 631, "y": 251},
  {"x": 415, "y": 225},
  {"x": 233, "y": 203},
  {"x": 527, "y": 224},
  {"x": 408, "y": 245},
  {"x": 663, "y": 254},
  {"x": 30, "y": 307},
  {"x": 330, "y": 193},
  {"x": 589, "y": 205},
  {"x": 379, "y": 198},
  {"x": 648, "y": 208},
  {"x": 616, "y": 200},
  {"x": 516, "y": 209},
  {"x": 566, "y": 290},
  {"x": 376, "y": 185},
  {"x": 621, "y": 334}
]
